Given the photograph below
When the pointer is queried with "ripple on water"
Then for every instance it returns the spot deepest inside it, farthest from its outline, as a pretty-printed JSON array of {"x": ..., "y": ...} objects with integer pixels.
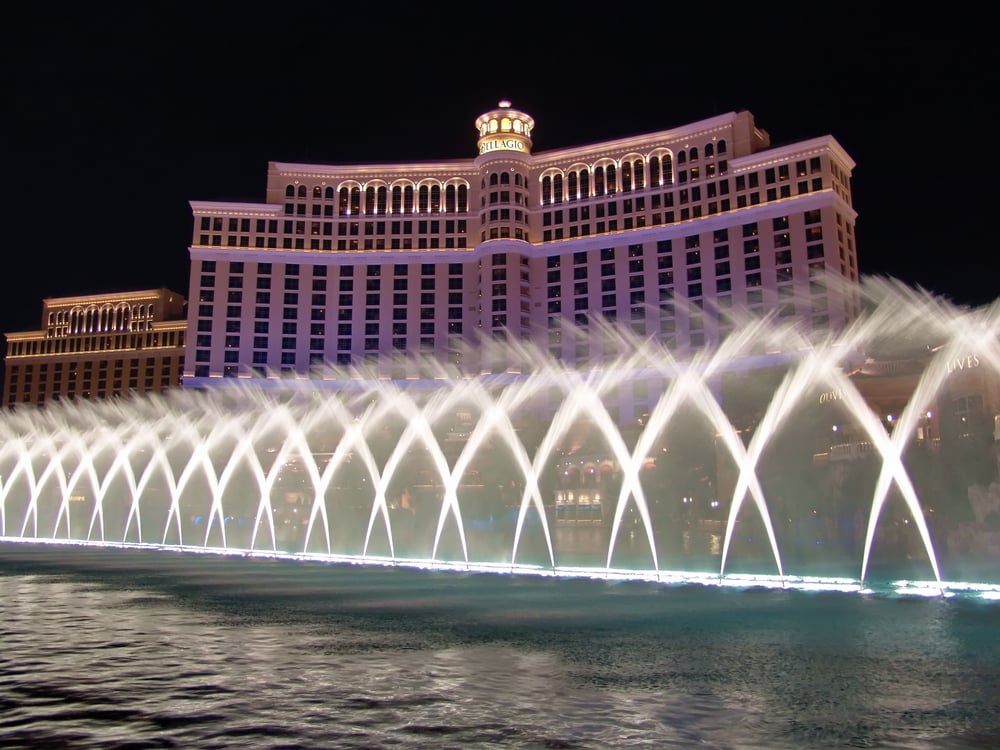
[{"x": 151, "y": 661}]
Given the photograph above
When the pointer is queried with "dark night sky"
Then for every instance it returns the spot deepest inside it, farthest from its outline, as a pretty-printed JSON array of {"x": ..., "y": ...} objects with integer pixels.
[{"x": 117, "y": 119}]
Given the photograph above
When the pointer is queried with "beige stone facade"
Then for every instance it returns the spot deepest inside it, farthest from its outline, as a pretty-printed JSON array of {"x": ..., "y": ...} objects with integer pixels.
[{"x": 97, "y": 346}]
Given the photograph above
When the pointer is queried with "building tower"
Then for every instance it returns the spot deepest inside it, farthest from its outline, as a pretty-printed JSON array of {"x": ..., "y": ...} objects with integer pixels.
[{"x": 504, "y": 164}]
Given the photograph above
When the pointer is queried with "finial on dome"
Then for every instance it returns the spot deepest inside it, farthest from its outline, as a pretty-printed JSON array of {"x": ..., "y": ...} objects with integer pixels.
[{"x": 505, "y": 103}]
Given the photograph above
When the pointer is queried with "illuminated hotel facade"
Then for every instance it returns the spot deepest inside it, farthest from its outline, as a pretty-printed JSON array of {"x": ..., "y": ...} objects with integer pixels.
[
  {"x": 663, "y": 233},
  {"x": 97, "y": 346}
]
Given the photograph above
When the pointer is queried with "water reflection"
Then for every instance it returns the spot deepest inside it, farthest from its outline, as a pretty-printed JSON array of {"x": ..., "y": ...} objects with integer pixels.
[{"x": 107, "y": 649}]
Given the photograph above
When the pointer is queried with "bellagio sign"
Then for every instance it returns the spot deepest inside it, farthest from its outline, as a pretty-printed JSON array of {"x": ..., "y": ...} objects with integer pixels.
[{"x": 502, "y": 143}]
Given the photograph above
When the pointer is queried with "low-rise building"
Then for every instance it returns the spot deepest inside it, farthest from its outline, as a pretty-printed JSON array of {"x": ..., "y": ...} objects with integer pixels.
[{"x": 97, "y": 346}]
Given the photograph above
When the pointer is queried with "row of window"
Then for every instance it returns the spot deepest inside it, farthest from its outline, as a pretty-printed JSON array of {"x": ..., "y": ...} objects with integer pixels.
[
  {"x": 741, "y": 182},
  {"x": 99, "y": 318},
  {"x": 236, "y": 269},
  {"x": 102, "y": 343},
  {"x": 37, "y": 383},
  {"x": 637, "y": 293},
  {"x": 294, "y": 269},
  {"x": 244, "y": 225},
  {"x": 404, "y": 199},
  {"x": 72, "y": 377},
  {"x": 657, "y": 200},
  {"x": 101, "y": 390}
]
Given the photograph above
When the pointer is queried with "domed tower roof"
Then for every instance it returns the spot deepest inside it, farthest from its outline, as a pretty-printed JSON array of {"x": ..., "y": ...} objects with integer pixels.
[{"x": 504, "y": 129}]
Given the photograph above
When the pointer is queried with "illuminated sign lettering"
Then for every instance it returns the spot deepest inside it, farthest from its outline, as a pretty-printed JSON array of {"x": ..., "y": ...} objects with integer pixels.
[
  {"x": 825, "y": 398},
  {"x": 963, "y": 363},
  {"x": 501, "y": 143}
]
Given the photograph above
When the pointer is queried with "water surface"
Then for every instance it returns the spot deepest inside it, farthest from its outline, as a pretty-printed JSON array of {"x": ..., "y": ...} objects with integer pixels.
[{"x": 123, "y": 649}]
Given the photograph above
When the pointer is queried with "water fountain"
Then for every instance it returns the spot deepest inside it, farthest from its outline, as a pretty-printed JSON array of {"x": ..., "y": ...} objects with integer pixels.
[{"x": 778, "y": 458}]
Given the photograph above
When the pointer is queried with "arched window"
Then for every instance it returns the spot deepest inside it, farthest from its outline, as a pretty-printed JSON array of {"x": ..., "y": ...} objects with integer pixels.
[
  {"x": 290, "y": 191},
  {"x": 722, "y": 148},
  {"x": 408, "y": 199},
  {"x": 355, "y": 200},
  {"x": 494, "y": 178},
  {"x": 423, "y": 199},
  {"x": 370, "y": 199},
  {"x": 546, "y": 190},
  {"x": 654, "y": 170},
  {"x": 382, "y": 196},
  {"x": 681, "y": 157},
  {"x": 345, "y": 201},
  {"x": 557, "y": 188},
  {"x": 463, "y": 198},
  {"x": 693, "y": 156},
  {"x": 709, "y": 149},
  {"x": 317, "y": 192},
  {"x": 572, "y": 188},
  {"x": 435, "y": 199},
  {"x": 610, "y": 174},
  {"x": 626, "y": 177},
  {"x": 397, "y": 199},
  {"x": 598, "y": 180},
  {"x": 328, "y": 193},
  {"x": 505, "y": 178},
  {"x": 302, "y": 191},
  {"x": 638, "y": 174}
]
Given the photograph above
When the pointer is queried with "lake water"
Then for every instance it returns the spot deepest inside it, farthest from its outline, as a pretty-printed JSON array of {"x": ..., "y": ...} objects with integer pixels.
[{"x": 140, "y": 649}]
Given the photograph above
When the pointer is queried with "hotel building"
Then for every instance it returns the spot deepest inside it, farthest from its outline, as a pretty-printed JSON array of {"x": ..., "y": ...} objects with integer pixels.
[
  {"x": 663, "y": 233},
  {"x": 97, "y": 346}
]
